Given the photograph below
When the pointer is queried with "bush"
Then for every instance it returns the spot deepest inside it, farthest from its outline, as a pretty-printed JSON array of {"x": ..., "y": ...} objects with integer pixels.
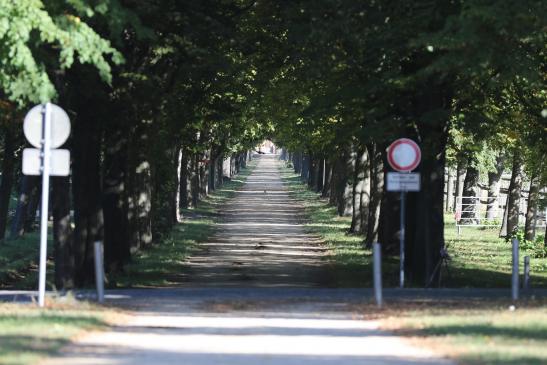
[{"x": 534, "y": 248}]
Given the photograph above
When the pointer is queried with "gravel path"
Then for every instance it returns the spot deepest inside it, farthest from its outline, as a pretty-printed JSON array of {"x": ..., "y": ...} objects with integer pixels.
[
  {"x": 260, "y": 241},
  {"x": 255, "y": 297}
]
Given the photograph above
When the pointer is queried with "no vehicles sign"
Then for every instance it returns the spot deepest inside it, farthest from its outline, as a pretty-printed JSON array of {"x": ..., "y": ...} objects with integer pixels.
[{"x": 403, "y": 155}]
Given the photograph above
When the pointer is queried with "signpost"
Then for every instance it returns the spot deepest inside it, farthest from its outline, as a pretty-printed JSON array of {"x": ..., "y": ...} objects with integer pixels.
[
  {"x": 403, "y": 155},
  {"x": 46, "y": 126}
]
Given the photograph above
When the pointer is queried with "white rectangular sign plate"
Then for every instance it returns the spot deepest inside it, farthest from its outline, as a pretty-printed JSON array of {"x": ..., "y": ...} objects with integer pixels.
[
  {"x": 59, "y": 162},
  {"x": 397, "y": 181}
]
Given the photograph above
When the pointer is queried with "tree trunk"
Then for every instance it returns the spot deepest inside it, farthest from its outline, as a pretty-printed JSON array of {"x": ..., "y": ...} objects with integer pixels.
[
  {"x": 139, "y": 188},
  {"x": 62, "y": 234},
  {"x": 389, "y": 222},
  {"x": 531, "y": 209},
  {"x": 220, "y": 172},
  {"x": 165, "y": 186},
  {"x": 424, "y": 215},
  {"x": 173, "y": 187},
  {"x": 204, "y": 174},
  {"x": 460, "y": 177},
  {"x": 327, "y": 177},
  {"x": 243, "y": 158},
  {"x": 116, "y": 245},
  {"x": 359, "y": 191},
  {"x": 511, "y": 217},
  {"x": 312, "y": 176},
  {"x": 320, "y": 175},
  {"x": 88, "y": 212},
  {"x": 470, "y": 193},
  {"x": 376, "y": 173},
  {"x": 203, "y": 180},
  {"x": 183, "y": 181},
  {"x": 297, "y": 162},
  {"x": 212, "y": 175},
  {"x": 237, "y": 165},
  {"x": 28, "y": 183},
  {"x": 305, "y": 172},
  {"x": 494, "y": 177},
  {"x": 143, "y": 197},
  {"x": 340, "y": 195},
  {"x": 449, "y": 191},
  {"x": 425, "y": 210},
  {"x": 8, "y": 163},
  {"x": 345, "y": 199},
  {"x": 33, "y": 206},
  {"x": 194, "y": 181}
]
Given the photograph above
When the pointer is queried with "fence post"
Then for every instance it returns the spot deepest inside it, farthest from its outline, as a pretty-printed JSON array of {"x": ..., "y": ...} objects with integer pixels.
[
  {"x": 377, "y": 267},
  {"x": 99, "y": 271},
  {"x": 526, "y": 281},
  {"x": 515, "y": 273}
]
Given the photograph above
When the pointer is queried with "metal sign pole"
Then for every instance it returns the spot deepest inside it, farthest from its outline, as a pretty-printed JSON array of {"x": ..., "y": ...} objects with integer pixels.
[
  {"x": 402, "y": 243},
  {"x": 45, "y": 154}
]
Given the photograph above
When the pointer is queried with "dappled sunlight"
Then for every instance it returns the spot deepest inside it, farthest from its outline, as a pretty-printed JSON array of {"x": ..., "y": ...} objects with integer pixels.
[
  {"x": 200, "y": 338},
  {"x": 242, "y": 224},
  {"x": 260, "y": 239}
]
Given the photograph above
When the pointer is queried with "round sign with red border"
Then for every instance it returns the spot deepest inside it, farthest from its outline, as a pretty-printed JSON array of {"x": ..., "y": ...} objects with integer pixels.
[{"x": 404, "y": 155}]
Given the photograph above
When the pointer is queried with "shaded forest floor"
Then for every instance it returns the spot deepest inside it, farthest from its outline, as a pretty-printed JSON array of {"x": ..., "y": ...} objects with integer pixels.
[
  {"x": 152, "y": 266},
  {"x": 479, "y": 258},
  {"x": 163, "y": 265}
]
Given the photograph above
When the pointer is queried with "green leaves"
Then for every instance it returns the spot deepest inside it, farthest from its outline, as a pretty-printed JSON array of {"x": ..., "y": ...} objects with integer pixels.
[{"x": 35, "y": 42}]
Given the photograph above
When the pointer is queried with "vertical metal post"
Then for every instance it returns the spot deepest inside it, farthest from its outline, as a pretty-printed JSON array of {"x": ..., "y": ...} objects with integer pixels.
[
  {"x": 45, "y": 155},
  {"x": 515, "y": 273},
  {"x": 526, "y": 281},
  {"x": 324, "y": 170},
  {"x": 402, "y": 243},
  {"x": 377, "y": 267},
  {"x": 99, "y": 271}
]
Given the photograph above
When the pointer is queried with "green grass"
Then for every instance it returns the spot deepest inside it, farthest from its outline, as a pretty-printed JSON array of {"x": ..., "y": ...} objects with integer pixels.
[
  {"x": 28, "y": 334},
  {"x": 479, "y": 257},
  {"x": 19, "y": 261},
  {"x": 479, "y": 332},
  {"x": 350, "y": 262},
  {"x": 163, "y": 264}
]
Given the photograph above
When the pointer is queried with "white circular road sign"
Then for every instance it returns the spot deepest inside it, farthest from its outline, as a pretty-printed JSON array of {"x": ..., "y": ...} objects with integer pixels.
[
  {"x": 60, "y": 126},
  {"x": 404, "y": 155}
]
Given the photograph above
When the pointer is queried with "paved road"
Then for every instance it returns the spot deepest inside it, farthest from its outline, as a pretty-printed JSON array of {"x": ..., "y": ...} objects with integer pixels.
[{"x": 255, "y": 298}]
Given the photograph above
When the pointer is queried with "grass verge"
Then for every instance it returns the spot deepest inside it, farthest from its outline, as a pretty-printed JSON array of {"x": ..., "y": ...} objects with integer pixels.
[
  {"x": 163, "y": 264},
  {"x": 476, "y": 332},
  {"x": 19, "y": 261},
  {"x": 479, "y": 258},
  {"x": 29, "y": 334},
  {"x": 351, "y": 263}
]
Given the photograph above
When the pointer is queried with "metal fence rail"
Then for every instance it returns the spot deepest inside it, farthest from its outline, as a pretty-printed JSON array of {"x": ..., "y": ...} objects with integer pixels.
[{"x": 472, "y": 211}]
